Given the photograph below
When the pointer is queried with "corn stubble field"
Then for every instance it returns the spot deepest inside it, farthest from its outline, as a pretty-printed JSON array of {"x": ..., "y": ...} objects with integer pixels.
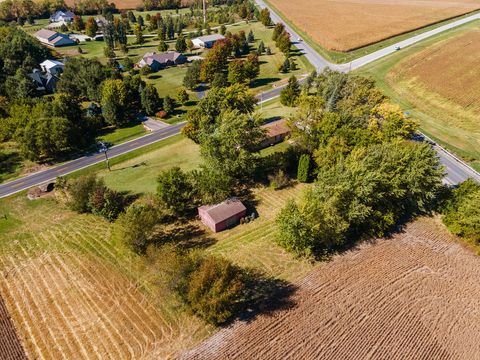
[
  {"x": 452, "y": 98},
  {"x": 73, "y": 292},
  {"x": 412, "y": 296},
  {"x": 344, "y": 25}
]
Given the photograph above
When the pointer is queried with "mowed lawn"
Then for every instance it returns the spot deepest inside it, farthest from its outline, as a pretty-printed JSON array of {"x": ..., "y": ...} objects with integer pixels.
[{"x": 438, "y": 82}]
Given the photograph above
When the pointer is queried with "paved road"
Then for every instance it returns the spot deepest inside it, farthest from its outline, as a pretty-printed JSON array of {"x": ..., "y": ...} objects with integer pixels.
[
  {"x": 41, "y": 177},
  {"x": 457, "y": 170}
]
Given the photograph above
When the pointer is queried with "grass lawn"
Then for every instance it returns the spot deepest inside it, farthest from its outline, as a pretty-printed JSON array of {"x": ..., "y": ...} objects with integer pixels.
[
  {"x": 117, "y": 136},
  {"x": 139, "y": 174},
  {"x": 344, "y": 57},
  {"x": 433, "y": 121}
]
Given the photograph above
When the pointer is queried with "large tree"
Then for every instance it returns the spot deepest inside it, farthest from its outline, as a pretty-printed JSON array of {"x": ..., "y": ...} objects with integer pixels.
[{"x": 113, "y": 102}]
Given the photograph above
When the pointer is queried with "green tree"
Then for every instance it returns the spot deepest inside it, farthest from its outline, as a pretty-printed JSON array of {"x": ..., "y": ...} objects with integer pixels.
[
  {"x": 215, "y": 61},
  {"x": 113, "y": 102},
  {"x": 303, "y": 168},
  {"x": 162, "y": 46},
  {"x": 168, "y": 104},
  {"x": 138, "y": 225},
  {"x": 192, "y": 77},
  {"x": 236, "y": 72},
  {"x": 182, "y": 96},
  {"x": 175, "y": 191},
  {"x": 261, "y": 48},
  {"x": 290, "y": 94},
  {"x": 138, "y": 34},
  {"x": 91, "y": 27},
  {"x": 150, "y": 99},
  {"x": 251, "y": 37},
  {"x": 78, "y": 24},
  {"x": 181, "y": 45}
]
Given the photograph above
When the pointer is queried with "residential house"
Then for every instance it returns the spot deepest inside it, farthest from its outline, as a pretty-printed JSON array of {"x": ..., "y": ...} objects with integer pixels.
[
  {"x": 276, "y": 132},
  {"x": 222, "y": 216},
  {"x": 46, "y": 83},
  {"x": 52, "y": 38},
  {"x": 53, "y": 67},
  {"x": 60, "y": 15},
  {"x": 207, "y": 41},
  {"x": 161, "y": 61}
]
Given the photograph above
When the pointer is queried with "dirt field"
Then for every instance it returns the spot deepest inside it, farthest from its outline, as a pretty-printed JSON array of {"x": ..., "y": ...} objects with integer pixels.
[
  {"x": 414, "y": 296},
  {"x": 10, "y": 346},
  {"x": 345, "y": 25},
  {"x": 444, "y": 80},
  {"x": 129, "y": 4}
]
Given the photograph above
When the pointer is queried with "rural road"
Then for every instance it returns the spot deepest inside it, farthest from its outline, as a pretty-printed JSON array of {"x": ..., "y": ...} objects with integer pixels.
[{"x": 457, "y": 170}]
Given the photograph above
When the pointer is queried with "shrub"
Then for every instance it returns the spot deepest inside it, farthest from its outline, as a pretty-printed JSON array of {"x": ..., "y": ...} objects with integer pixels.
[
  {"x": 161, "y": 114},
  {"x": 175, "y": 190},
  {"x": 279, "y": 180},
  {"x": 79, "y": 191},
  {"x": 137, "y": 226},
  {"x": 211, "y": 288},
  {"x": 461, "y": 213}
]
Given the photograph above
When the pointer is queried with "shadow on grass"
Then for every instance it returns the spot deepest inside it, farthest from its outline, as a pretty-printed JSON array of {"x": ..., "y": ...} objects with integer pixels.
[
  {"x": 186, "y": 236},
  {"x": 264, "y": 81},
  {"x": 8, "y": 164}
]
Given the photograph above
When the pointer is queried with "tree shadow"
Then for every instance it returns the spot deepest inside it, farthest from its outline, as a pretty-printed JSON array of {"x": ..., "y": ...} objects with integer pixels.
[
  {"x": 155, "y": 76},
  {"x": 185, "y": 235},
  {"x": 265, "y": 296},
  {"x": 264, "y": 81},
  {"x": 9, "y": 163}
]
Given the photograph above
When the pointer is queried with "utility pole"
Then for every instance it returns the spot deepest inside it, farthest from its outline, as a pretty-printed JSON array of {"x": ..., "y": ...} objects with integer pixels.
[
  {"x": 204, "y": 12},
  {"x": 104, "y": 148}
]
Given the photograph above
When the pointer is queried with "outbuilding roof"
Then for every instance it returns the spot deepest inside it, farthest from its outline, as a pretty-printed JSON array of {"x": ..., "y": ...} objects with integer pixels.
[
  {"x": 275, "y": 128},
  {"x": 225, "y": 210},
  {"x": 212, "y": 37}
]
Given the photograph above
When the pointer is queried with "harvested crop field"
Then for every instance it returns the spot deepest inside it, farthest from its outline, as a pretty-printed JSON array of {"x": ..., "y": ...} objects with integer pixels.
[
  {"x": 412, "y": 296},
  {"x": 345, "y": 25},
  {"x": 10, "y": 346},
  {"x": 444, "y": 80},
  {"x": 72, "y": 292}
]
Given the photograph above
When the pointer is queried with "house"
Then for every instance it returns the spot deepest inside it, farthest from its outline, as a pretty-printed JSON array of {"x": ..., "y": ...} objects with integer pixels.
[
  {"x": 207, "y": 41},
  {"x": 276, "y": 132},
  {"x": 222, "y": 216},
  {"x": 46, "y": 83},
  {"x": 160, "y": 61},
  {"x": 52, "y": 38},
  {"x": 60, "y": 15},
  {"x": 53, "y": 67}
]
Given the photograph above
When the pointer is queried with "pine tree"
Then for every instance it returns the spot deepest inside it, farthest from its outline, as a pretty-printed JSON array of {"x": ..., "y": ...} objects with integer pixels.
[
  {"x": 289, "y": 95},
  {"x": 303, "y": 168}
]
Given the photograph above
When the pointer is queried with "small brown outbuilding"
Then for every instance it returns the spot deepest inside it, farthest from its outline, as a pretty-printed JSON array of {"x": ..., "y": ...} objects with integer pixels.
[
  {"x": 222, "y": 216},
  {"x": 276, "y": 132}
]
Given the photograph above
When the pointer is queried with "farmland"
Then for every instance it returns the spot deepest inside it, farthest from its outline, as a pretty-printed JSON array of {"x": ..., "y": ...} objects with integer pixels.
[
  {"x": 411, "y": 296},
  {"x": 452, "y": 97},
  {"x": 368, "y": 21},
  {"x": 435, "y": 82}
]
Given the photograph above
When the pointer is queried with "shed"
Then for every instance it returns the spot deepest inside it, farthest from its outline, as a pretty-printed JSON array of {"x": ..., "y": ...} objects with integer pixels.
[
  {"x": 277, "y": 131},
  {"x": 222, "y": 216},
  {"x": 207, "y": 41}
]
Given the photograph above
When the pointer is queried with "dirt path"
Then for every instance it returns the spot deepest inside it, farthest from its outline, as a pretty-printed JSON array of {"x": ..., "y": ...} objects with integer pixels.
[{"x": 414, "y": 296}]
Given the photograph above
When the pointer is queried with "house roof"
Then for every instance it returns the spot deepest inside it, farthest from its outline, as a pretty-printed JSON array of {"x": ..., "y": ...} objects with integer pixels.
[
  {"x": 149, "y": 58},
  {"x": 48, "y": 64},
  {"x": 224, "y": 210},
  {"x": 45, "y": 34},
  {"x": 209, "y": 38},
  {"x": 275, "y": 128},
  {"x": 63, "y": 13}
]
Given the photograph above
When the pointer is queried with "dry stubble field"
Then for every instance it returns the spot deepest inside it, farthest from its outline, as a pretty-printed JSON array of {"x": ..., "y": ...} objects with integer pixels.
[
  {"x": 413, "y": 296},
  {"x": 444, "y": 80},
  {"x": 345, "y": 25}
]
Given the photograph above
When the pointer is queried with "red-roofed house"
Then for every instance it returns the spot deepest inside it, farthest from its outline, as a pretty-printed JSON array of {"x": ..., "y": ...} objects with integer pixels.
[{"x": 222, "y": 216}]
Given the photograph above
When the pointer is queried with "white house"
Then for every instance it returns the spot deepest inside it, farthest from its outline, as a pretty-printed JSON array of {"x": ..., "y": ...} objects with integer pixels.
[
  {"x": 52, "y": 38},
  {"x": 53, "y": 67},
  {"x": 60, "y": 15},
  {"x": 207, "y": 41}
]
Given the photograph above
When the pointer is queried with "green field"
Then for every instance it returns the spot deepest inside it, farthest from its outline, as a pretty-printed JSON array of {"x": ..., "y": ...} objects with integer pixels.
[
  {"x": 344, "y": 57},
  {"x": 432, "y": 121}
]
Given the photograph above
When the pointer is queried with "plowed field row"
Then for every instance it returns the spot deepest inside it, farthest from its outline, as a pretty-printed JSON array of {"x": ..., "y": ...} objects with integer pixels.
[
  {"x": 10, "y": 345},
  {"x": 413, "y": 296}
]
